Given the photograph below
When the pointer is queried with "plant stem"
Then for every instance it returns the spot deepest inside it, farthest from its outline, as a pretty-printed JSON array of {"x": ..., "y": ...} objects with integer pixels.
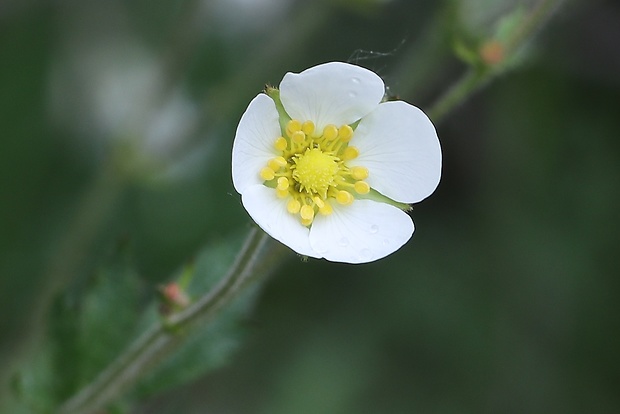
[
  {"x": 259, "y": 255},
  {"x": 476, "y": 77}
]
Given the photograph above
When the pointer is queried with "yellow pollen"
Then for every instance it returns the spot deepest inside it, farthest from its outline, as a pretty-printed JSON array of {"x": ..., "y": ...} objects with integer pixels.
[
  {"x": 307, "y": 212},
  {"x": 350, "y": 153},
  {"x": 281, "y": 144},
  {"x": 311, "y": 172},
  {"x": 293, "y": 206},
  {"x": 267, "y": 174},
  {"x": 362, "y": 187},
  {"x": 326, "y": 210},
  {"x": 292, "y": 127},
  {"x": 345, "y": 133},
  {"x": 276, "y": 163},
  {"x": 283, "y": 183},
  {"x": 308, "y": 127},
  {"x": 319, "y": 203},
  {"x": 330, "y": 132},
  {"x": 315, "y": 171},
  {"x": 298, "y": 137},
  {"x": 344, "y": 197},
  {"x": 359, "y": 173}
]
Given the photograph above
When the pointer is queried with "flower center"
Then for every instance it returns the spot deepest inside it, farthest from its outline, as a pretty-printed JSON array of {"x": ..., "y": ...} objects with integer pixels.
[
  {"x": 312, "y": 170},
  {"x": 315, "y": 171}
]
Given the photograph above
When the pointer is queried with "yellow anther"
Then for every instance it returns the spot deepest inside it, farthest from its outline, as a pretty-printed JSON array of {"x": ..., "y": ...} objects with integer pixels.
[
  {"x": 326, "y": 210},
  {"x": 276, "y": 163},
  {"x": 267, "y": 174},
  {"x": 350, "y": 153},
  {"x": 345, "y": 133},
  {"x": 293, "y": 206},
  {"x": 308, "y": 127},
  {"x": 283, "y": 183},
  {"x": 344, "y": 198},
  {"x": 282, "y": 193},
  {"x": 298, "y": 137},
  {"x": 319, "y": 203},
  {"x": 307, "y": 212},
  {"x": 359, "y": 173},
  {"x": 330, "y": 132},
  {"x": 306, "y": 222},
  {"x": 281, "y": 144},
  {"x": 292, "y": 127},
  {"x": 361, "y": 187}
]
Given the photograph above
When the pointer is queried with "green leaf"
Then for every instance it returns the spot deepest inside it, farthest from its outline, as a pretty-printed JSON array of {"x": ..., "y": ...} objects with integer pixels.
[{"x": 88, "y": 326}]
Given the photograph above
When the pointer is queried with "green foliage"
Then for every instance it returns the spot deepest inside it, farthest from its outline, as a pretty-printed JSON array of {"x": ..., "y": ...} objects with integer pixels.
[
  {"x": 90, "y": 325},
  {"x": 209, "y": 346}
]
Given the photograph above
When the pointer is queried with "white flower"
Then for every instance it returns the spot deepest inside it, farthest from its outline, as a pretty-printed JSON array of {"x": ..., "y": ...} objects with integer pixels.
[{"x": 325, "y": 167}]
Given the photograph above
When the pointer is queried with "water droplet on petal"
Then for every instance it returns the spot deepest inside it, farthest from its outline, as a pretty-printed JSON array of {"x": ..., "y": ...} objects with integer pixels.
[
  {"x": 366, "y": 253},
  {"x": 352, "y": 94},
  {"x": 374, "y": 229},
  {"x": 386, "y": 242},
  {"x": 321, "y": 249},
  {"x": 344, "y": 242},
  {"x": 355, "y": 80}
]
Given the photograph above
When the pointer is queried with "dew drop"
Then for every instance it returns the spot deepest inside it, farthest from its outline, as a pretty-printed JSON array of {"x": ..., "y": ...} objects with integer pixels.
[
  {"x": 386, "y": 242},
  {"x": 374, "y": 229},
  {"x": 366, "y": 253},
  {"x": 344, "y": 242},
  {"x": 355, "y": 80},
  {"x": 352, "y": 94},
  {"x": 321, "y": 249}
]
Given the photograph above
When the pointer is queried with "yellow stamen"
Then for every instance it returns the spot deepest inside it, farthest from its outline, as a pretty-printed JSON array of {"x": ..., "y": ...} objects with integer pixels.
[
  {"x": 307, "y": 212},
  {"x": 283, "y": 183},
  {"x": 298, "y": 137},
  {"x": 345, "y": 133},
  {"x": 281, "y": 144},
  {"x": 344, "y": 197},
  {"x": 350, "y": 153},
  {"x": 276, "y": 163},
  {"x": 330, "y": 132},
  {"x": 319, "y": 203},
  {"x": 359, "y": 173},
  {"x": 362, "y": 187},
  {"x": 311, "y": 172},
  {"x": 308, "y": 127},
  {"x": 267, "y": 174},
  {"x": 292, "y": 127},
  {"x": 293, "y": 206},
  {"x": 326, "y": 210}
]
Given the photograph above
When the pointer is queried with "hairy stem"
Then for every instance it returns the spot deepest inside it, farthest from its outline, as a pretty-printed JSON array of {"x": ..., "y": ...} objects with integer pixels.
[{"x": 257, "y": 258}]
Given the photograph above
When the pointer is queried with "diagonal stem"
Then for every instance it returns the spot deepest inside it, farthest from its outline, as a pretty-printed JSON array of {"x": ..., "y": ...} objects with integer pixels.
[
  {"x": 476, "y": 78},
  {"x": 257, "y": 258}
]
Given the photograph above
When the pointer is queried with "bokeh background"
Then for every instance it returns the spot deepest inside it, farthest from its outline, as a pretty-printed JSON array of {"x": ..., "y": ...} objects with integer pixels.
[{"x": 116, "y": 125}]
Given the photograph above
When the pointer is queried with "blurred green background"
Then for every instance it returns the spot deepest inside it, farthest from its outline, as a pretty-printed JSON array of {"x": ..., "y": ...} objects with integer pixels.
[{"x": 116, "y": 123}]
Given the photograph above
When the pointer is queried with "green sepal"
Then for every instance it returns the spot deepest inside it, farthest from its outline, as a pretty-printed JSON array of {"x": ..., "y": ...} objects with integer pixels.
[
  {"x": 284, "y": 118},
  {"x": 374, "y": 195}
]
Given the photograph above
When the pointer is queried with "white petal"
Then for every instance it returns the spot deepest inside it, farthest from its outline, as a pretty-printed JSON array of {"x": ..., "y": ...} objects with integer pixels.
[
  {"x": 399, "y": 146},
  {"x": 254, "y": 142},
  {"x": 269, "y": 212},
  {"x": 333, "y": 93},
  {"x": 361, "y": 232}
]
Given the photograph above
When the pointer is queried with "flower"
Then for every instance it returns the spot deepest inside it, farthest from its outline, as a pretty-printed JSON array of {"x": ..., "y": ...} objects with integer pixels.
[{"x": 327, "y": 167}]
